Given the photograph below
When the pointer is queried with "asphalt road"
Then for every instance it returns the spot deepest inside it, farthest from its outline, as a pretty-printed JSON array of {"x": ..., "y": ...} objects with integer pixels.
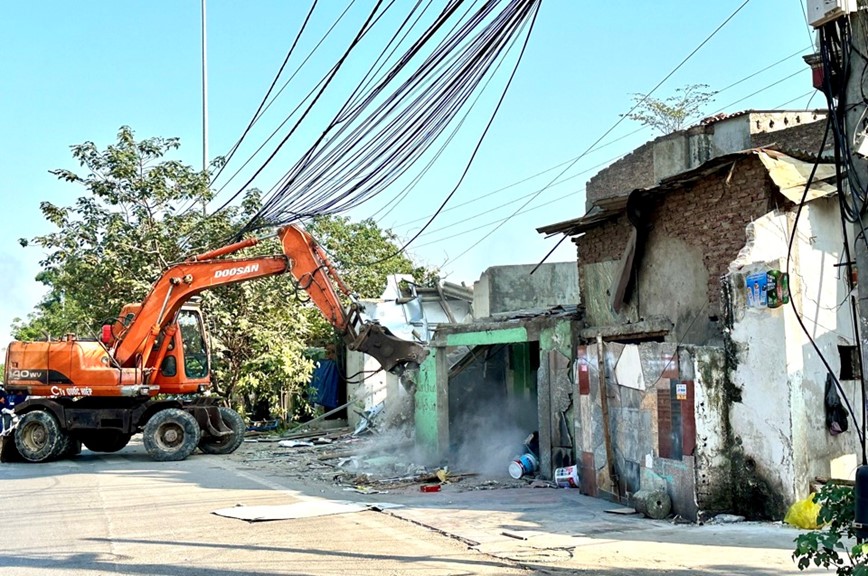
[{"x": 125, "y": 514}]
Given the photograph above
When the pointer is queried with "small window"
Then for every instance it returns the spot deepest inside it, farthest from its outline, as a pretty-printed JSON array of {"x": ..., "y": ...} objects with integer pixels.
[
  {"x": 849, "y": 363},
  {"x": 196, "y": 363},
  {"x": 169, "y": 366}
]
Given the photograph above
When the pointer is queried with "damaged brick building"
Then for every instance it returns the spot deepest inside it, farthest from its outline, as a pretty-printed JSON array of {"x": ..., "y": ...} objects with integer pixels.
[{"x": 685, "y": 379}]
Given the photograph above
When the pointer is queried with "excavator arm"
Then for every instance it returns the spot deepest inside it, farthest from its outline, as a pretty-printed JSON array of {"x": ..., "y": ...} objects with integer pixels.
[{"x": 313, "y": 272}]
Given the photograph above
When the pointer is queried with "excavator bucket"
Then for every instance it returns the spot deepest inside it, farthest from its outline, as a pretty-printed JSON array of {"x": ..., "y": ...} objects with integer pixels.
[{"x": 394, "y": 354}]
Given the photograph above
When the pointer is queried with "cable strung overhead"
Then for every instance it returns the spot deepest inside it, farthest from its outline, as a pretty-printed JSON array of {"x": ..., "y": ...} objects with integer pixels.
[{"x": 397, "y": 112}]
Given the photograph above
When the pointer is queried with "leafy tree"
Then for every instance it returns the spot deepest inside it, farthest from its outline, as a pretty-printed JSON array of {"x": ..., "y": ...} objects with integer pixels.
[
  {"x": 133, "y": 220},
  {"x": 137, "y": 215},
  {"x": 673, "y": 113},
  {"x": 836, "y": 546},
  {"x": 364, "y": 255}
]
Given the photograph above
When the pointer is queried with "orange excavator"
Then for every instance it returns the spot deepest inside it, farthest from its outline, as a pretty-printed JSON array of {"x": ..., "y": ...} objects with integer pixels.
[{"x": 63, "y": 393}]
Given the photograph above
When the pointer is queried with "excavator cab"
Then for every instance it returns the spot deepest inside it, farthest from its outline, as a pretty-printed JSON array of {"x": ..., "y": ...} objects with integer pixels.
[{"x": 185, "y": 366}]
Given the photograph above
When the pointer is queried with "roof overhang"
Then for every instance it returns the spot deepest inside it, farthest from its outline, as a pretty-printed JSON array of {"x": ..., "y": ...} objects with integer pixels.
[{"x": 789, "y": 174}]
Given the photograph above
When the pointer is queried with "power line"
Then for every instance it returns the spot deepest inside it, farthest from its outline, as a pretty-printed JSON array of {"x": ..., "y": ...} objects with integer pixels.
[
  {"x": 259, "y": 109},
  {"x": 770, "y": 66},
  {"x": 615, "y": 125},
  {"x": 364, "y": 155},
  {"x": 772, "y": 85},
  {"x": 513, "y": 201},
  {"x": 643, "y": 128},
  {"x": 479, "y": 143},
  {"x": 500, "y": 220},
  {"x": 528, "y": 178}
]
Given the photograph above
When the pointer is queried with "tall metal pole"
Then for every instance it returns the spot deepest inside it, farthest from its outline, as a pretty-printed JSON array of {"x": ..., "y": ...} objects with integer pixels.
[
  {"x": 854, "y": 105},
  {"x": 204, "y": 98}
]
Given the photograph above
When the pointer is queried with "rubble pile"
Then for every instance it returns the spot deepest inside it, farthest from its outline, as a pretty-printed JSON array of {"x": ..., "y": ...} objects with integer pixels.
[{"x": 368, "y": 464}]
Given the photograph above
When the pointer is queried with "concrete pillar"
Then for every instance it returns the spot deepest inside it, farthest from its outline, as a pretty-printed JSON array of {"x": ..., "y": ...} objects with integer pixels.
[{"x": 432, "y": 407}]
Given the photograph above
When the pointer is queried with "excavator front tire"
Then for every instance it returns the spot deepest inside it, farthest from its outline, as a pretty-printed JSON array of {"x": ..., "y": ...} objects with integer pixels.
[
  {"x": 229, "y": 443},
  {"x": 68, "y": 446},
  {"x": 38, "y": 436},
  {"x": 171, "y": 435}
]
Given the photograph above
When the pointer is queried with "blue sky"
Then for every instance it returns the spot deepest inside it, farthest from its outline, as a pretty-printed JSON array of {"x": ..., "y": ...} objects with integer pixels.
[{"x": 77, "y": 71}]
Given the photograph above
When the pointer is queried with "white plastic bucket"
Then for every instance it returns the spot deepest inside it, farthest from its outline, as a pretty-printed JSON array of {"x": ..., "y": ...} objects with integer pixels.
[
  {"x": 567, "y": 477},
  {"x": 524, "y": 464}
]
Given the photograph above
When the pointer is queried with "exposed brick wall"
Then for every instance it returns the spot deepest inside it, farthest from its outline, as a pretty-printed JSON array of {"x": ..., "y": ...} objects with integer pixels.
[
  {"x": 712, "y": 214},
  {"x": 635, "y": 170},
  {"x": 709, "y": 214},
  {"x": 604, "y": 243}
]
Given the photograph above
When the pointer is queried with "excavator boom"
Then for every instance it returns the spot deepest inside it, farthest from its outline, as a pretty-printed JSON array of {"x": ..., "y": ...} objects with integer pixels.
[{"x": 308, "y": 264}]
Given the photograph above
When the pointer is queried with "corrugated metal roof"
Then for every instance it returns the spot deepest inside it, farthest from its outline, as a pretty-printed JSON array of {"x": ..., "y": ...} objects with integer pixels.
[{"x": 602, "y": 211}]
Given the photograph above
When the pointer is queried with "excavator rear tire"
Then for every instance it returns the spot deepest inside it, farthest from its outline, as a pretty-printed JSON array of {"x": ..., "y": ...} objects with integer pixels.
[
  {"x": 38, "y": 436},
  {"x": 171, "y": 435},
  {"x": 229, "y": 443},
  {"x": 105, "y": 440}
]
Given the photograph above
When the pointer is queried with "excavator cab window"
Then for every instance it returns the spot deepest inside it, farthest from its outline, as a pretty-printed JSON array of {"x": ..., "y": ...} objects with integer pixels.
[{"x": 196, "y": 362}]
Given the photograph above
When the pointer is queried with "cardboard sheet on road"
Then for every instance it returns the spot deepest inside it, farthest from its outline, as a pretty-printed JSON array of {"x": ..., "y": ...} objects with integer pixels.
[{"x": 298, "y": 510}]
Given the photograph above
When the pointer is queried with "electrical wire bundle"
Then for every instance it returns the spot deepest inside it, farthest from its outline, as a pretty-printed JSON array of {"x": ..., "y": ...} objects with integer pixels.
[
  {"x": 396, "y": 113},
  {"x": 836, "y": 47}
]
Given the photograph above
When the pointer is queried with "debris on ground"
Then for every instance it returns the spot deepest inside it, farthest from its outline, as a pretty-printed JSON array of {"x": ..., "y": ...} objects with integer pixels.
[
  {"x": 294, "y": 443},
  {"x": 622, "y": 511},
  {"x": 369, "y": 419},
  {"x": 655, "y": 504},
  {"x": 362, "y": 463},
  {"x": 726, "y": 519}
]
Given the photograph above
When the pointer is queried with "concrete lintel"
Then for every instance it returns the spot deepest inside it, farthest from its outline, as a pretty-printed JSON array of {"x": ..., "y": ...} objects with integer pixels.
[
  {"x": 478, "y": 333},
  {"x": 656, "y": 326},
  {"x": 484, "y": 336}
]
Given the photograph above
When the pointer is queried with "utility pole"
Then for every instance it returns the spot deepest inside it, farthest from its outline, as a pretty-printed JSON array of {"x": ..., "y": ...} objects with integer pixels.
[
  {"x": 204, "y": 100},
  {"x": 855, "y": 135}
]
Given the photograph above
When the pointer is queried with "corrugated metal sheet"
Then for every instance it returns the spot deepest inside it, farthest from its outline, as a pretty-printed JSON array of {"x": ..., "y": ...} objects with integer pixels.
[
  {"x": 791, "y": 176},
  {"x": 413, "y": 313}
]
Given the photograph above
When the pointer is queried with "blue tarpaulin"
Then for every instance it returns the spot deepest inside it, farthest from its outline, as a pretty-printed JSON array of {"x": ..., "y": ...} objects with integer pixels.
[{"x": 325, "y": 382}]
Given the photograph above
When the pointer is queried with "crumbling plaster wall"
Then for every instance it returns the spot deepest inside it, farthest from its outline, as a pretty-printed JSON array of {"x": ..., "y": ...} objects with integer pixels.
[
  {"x": 695, "y": 233},
  {"x": 779, "y": 420},
  {"x": 713, "y": 467},
  {"x": 511, "y": 288},
  {"x": 791, "y": 131},
  {"x": 674, "y": 153},
  {"x": 557, "y": 398}
]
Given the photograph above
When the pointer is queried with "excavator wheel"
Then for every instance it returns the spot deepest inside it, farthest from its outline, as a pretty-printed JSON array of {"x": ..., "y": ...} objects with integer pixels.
[
  {"x": 229, "y": 443},
  {"x": 105, "y": 440},
  {"x": 171, "y": 435},
  {"x": 68, "y": 446},
  {"x": 38, "y": 436}
]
